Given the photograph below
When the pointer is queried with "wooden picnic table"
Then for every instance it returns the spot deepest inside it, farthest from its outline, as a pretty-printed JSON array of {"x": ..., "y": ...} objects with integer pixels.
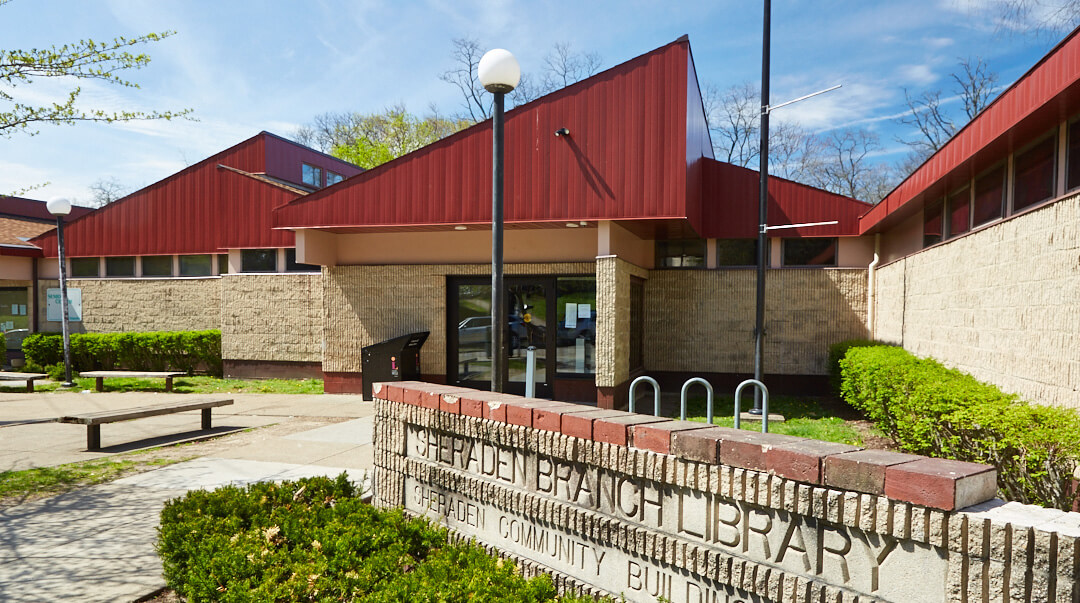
[
  {"x": 29, "y": 378},
  {"x": 101, "y": 376},
  {"x": 94, "y": 420}
]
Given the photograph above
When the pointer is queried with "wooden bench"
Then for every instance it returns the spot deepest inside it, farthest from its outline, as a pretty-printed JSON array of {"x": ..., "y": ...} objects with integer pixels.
[
  {"x": 94, "y": 420},
  {"x": 29, "y": 378},
  {"x": 101, "y": 376}
]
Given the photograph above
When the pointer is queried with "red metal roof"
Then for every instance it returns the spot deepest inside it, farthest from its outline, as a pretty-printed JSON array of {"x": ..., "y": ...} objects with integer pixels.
[
  {"x": 204, "y": 208},
  {"x": 626, "y": 157},
  {"x": 1047, "y": 94},
  {"x": 29, "y": 209},
  {"x": 731, "y": 206}
]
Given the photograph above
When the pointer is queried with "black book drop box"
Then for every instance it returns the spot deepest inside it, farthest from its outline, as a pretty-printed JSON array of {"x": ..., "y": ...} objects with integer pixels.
[{"x": 396, "y": 359}]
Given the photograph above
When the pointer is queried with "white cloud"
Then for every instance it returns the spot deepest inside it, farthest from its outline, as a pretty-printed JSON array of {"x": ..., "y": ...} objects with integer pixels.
[{"x": 918, "y": 76}]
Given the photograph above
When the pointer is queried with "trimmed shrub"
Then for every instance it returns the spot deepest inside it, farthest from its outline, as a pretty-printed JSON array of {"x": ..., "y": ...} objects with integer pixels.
[
  {"x": 936, "y": 411},
  {"x": 186, "y": 351},
  {"x": 837, "y": 351},
  {"x": 315, "y": 540}
]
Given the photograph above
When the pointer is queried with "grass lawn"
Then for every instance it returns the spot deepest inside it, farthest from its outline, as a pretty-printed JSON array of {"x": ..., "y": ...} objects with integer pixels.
[
  {"x": 19, "y": 486},
  {"x": 805, "y": 417},
  {"x": 198, "y": 385}
]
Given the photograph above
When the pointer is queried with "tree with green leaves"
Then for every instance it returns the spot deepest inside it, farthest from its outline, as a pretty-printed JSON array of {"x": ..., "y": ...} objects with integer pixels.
[
  {"x": 371, "y": 139},
  {"x": 81, "y": 60}
]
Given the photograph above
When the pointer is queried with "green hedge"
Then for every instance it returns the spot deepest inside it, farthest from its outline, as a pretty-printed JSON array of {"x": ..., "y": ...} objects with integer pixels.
[
  {"x": 315, "y": 540},
  {"x": 936, "y": 411},
  {"x": 187, "y": 351},
  {"x": 837, "y": 351}
]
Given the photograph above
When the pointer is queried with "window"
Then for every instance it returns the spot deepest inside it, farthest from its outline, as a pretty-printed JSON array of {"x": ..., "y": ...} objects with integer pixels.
[
  {"x": 989, "y": 196},
  {"x": 85, "y": 267},
  {"x": 1073, "y": 156},
  {"x": 809, "y": 252},
  {"x": 932, "y": 223},
  {"x": 575, "y": 336},
  {"x": 258, "y": 260},
  {"x": 680, "y": 253},
  {"x": 959, "y": 212},
  {"x": 223, "y": 263},
  {"x": 312, "y": 175},
  {"x": 333, "y": 178},
  {"x": 736, "y": 252},
  {"x": 120, "y": 266},
  {"x": 157, "y": 265},
  {"x": 1033, "y": 174},
  {"x": 196, "y": 265},
  {"x": 291, "y": 265}
]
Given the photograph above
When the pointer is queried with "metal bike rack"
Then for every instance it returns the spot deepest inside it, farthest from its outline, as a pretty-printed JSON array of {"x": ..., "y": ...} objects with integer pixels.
[
  {"x": 708, "y": 404},
  {"x": 656, "y": 393},
  {"x": 530, "y": 371},
  {"x": 764, "y": 403}
]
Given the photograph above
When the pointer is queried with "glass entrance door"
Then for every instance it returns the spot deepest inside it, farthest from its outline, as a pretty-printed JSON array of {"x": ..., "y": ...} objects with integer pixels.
[{"x": 469, "y": 335}]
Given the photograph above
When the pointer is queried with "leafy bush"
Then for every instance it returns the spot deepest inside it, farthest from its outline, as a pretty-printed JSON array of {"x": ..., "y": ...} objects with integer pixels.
[
  {"x": 187, "y": 351},
  {"x": 936, "y": 411},
  {"x": 837, "y": 351},
  {"x": 315, "y": 540}
]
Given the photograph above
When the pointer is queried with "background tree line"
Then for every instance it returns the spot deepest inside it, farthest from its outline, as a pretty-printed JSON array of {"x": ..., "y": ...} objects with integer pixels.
[{"x": 845, "y": 160}]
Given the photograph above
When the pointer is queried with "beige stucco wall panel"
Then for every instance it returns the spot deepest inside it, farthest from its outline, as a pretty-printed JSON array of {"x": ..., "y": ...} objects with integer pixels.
[
  {"x": 18, "y": 268},
  {"x": 905, "y": 239},
  {"x": 1002, "y": 303},
  {"x": 316, "y": 247},
  {"x": 854, "y": 252},
  {"x": 560, "y": 244},
  {"x": 703, "y": 320},
  {"x": 616, "y": 240},
  {"x": 272, "y": 317}
]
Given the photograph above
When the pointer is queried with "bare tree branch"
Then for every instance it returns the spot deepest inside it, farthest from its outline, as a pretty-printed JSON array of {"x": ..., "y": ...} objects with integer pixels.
[
  {"x": 978, "y": 85},
  {"x": 466, "y": 55}
]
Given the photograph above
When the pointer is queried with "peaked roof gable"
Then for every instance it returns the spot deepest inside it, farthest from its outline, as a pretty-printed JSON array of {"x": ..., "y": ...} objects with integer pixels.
[
  {"x": 625, "y": 158},
  {"x": 203, "y": 208}
]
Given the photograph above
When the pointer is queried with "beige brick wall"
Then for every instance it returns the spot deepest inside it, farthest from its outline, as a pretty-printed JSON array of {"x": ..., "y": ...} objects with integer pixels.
[
  {"x": 703, "y": 320},
  {"x": 276, "y": 317},
  {"x": 613, "y": 277},
  {"x": 118, "y": 305},
  {"x": 1002, "y": 304},
  {"x": 367, "y": 304}
]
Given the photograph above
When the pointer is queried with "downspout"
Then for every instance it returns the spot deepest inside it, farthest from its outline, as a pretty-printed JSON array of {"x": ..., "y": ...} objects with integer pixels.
[{"x": 870, "y": 299}]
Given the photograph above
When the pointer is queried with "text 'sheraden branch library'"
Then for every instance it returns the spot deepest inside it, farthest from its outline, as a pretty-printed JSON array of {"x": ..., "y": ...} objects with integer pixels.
[{"x": 629, "y": 249}]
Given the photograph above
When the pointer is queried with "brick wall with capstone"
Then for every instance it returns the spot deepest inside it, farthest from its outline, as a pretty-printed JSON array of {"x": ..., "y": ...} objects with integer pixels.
[
  {"x": 703, "y": 320},
  {"x": 368, "y": 304},
  {"x": 613, "y": 278},
  {"x": 735, "y": 515},
  {"x": 1002, "y": 304},
  {"x": 123, "y": 305},
  {"x": 272, "y": 317}
]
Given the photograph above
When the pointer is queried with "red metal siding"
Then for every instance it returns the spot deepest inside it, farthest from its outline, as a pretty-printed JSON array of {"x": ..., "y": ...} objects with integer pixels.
[
  {"x": 283, "y": 160},
  {"x": 201, "y": 209},
  {"x": 625, "y": 158},
  {"x": 1046, "y": 94},
  {"x": 698, "y": 147},
  {"x": 731, "y": 206}
]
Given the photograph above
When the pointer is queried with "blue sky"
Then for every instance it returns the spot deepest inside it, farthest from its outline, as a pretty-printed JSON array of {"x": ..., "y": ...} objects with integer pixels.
[{"x": 245, "y": 66}]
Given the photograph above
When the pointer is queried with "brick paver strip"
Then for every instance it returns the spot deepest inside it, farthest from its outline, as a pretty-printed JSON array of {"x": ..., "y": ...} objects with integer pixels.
[
  {"x": 657, "y": 436},
  {"x": 863, "y": 471}
]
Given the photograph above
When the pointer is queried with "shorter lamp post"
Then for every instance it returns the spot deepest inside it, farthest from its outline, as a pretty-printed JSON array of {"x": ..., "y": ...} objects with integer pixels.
[
  {"x": 500, "y": 73},
  {"x": 61, "y": 208}
]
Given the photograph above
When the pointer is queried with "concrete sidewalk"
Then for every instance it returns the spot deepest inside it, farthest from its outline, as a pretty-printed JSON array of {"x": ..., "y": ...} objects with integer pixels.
[{"x": 97, "y": 543}]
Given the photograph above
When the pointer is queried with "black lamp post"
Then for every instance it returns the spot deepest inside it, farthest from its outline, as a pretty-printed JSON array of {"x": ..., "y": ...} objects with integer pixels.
[
  {"x": 61, "y": 208},
  {"x": 763, "y": 220},
  {"x": 500, "y": 73}
]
